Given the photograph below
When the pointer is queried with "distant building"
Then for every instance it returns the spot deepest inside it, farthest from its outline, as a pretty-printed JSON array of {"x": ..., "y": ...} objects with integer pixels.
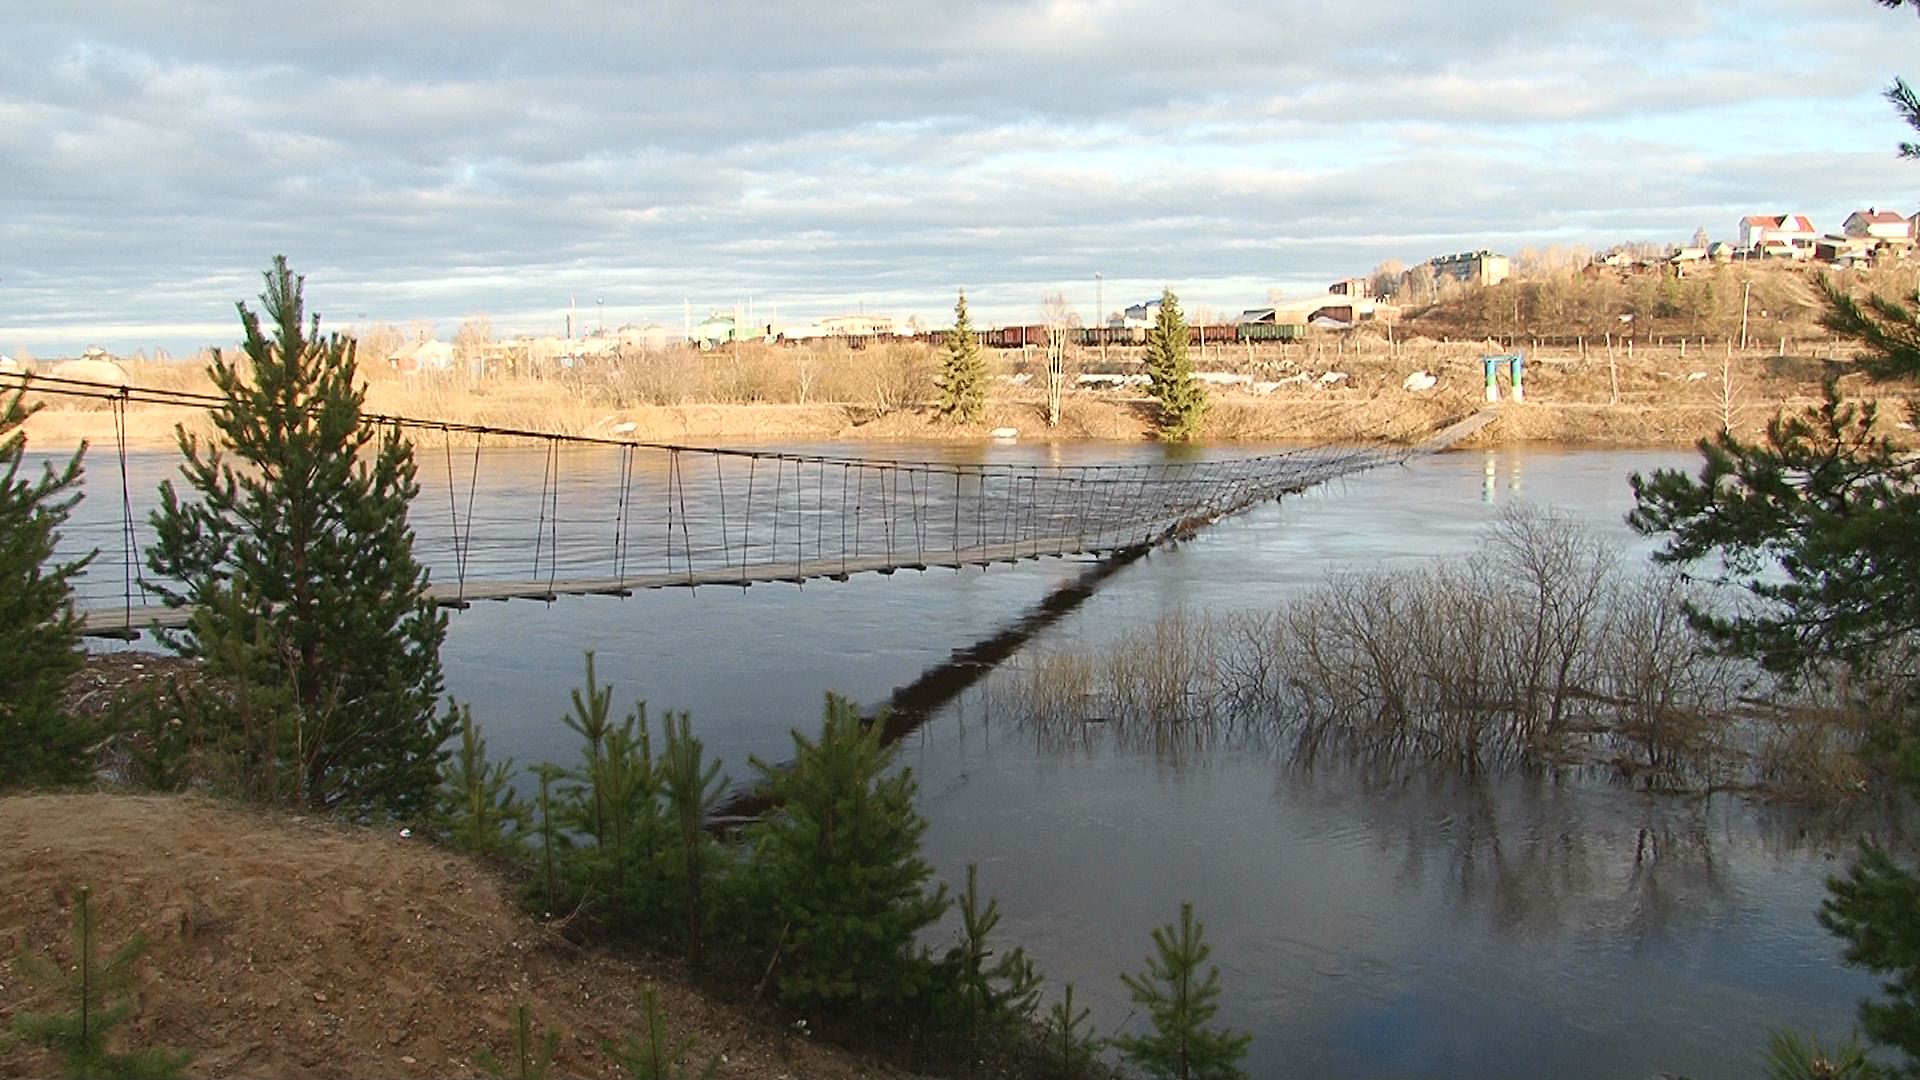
[
  {"x": 421, "y": 356},
  {"x": 859, "y": 325},
  {"x": 1875, "y": 224},
  {"x": 1312, "y": 310},
  {"x": 717, "y": 328},
  {"x": 648, "y": 336},
  {"x": 1788, "y": 236},
  {"x": 1473, "y": 267},
  {"x": 1842, "y": 250},
  {"x": 1357, "y": 287},
  {"x": 1141, "y": 315}
]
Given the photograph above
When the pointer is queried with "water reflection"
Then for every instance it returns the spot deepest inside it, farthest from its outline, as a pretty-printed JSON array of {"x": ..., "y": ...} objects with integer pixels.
[{"x": 1375, "y": 920}]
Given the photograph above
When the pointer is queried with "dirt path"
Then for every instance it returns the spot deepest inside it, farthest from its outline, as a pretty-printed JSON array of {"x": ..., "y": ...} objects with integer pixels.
[{"x": 289, "y": 947}]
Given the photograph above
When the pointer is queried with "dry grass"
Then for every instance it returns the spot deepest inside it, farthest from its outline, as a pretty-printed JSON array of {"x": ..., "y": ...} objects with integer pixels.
[{"x": 1656, "y": 397}]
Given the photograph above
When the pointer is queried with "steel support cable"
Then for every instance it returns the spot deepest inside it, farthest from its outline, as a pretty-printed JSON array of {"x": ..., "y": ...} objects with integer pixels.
[
  {"x": 129, "y": 542},
  {"x": 726, "y": 541},
  {"x": 746, "y": 519},
  {"x": 886, "y": 507},
  {"x": 464, "y": 554},
  {"x": 540, "y": 526},
  {"x": 553, "y": 524},
  {"x": 623, "y": 522},
  {"x": 147, "y": 395},
  {"x": 686, "y": 539},
  {"x": 779, "y": 474},
  {"x": 843, "y": 523}
]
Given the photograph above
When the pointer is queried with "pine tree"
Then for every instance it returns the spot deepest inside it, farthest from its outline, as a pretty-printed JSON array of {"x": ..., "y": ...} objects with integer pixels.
[
  {"x": 1820, "y": 525},
  {"x": 693, "y": 787},
  {"x": 993, "y": 996},
  {"x": 39, "y": 632},
  {"x": 530, "y": 1059},
  {"x": 1791, "y": 1057},
  {"x": 101, "y": 1000},
  {"x": 1068, "y": 1051},
  {"x": 613, "y": 806},
  {"x": 554, "y": 849},
  {"x": 963, "y": 376},
  {"x": 657, "y": 1057},
  {"x": 1180, "y": 1002},
  {"x": 1183, "y": 400},
  {"x": 840, "y": 859},
  {"x": 477, "y": 806},
  {"x": 302, "y": 516}
]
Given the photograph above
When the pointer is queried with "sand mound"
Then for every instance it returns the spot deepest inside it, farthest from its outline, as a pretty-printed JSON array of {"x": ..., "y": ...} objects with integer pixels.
[{"x": 284, "y": 946}]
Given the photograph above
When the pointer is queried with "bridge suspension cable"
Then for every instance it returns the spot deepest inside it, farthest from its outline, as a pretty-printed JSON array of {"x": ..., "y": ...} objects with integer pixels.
[{"x": 610, "y": 516}]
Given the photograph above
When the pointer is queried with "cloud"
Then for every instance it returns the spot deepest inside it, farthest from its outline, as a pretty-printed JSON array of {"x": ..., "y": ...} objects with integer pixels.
[{"x": 435, "y": 161}]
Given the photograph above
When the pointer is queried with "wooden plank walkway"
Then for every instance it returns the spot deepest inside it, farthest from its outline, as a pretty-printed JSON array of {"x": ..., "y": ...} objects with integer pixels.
[{"x": 122, "y": 622}]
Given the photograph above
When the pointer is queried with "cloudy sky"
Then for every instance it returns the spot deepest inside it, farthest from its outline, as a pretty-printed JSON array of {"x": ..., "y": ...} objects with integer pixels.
[{"x": 423, "y": 161}]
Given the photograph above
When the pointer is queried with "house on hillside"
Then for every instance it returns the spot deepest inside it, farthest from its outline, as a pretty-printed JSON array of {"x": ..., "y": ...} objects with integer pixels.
[
  {"x": 1873, "y": 224},
  {"x": 1357, "y": 287},
  {"x": 1473, "y": 267},
  {"x": 1842, "y": 250},
  {"x": 1789, "y": 236}
]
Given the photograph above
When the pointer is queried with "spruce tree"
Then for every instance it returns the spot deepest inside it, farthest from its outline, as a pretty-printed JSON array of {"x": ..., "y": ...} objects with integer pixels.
[
  {"x": 298, "y": 546},
  {"x": 39, "y": 632},
  {"x": 1180, "y": 1001},
  {"x": 963, "y": 375},
  {"x": 840, "y": 860},
  {"x": 100, "y": 999},
  {"x": 1183, "y": 400}
]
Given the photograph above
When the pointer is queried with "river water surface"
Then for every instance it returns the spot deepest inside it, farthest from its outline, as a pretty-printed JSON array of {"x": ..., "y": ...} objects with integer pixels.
[{"x": 1424, "y": 927}]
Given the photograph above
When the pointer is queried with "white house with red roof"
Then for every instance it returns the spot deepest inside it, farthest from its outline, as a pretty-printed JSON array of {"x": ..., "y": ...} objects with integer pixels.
[
  {"x": 1783, "y": 235},
  {"x": 1874, "y": 224}
]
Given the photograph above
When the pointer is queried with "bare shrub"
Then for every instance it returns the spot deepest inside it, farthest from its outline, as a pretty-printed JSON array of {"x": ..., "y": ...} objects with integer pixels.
[
  {"x": 1540, "y": 649},
  {"x": 1669, "y": 695}
]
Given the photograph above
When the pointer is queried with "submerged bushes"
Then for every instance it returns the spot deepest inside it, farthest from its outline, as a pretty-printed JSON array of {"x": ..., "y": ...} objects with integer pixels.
[{"x": 1541, "y": 647}]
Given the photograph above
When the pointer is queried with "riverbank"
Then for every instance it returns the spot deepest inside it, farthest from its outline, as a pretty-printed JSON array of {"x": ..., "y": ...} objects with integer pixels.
[
  {"x": 292, "y": 946},
  {"x": 1590, "y": 398}
]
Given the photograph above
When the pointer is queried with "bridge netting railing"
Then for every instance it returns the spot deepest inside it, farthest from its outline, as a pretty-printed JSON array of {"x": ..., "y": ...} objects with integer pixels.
[{"x": 514, "y": 513}]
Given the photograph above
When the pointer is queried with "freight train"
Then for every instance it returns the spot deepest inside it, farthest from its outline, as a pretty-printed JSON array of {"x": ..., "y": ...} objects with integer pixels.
[{"x": 1020, "y": 337}]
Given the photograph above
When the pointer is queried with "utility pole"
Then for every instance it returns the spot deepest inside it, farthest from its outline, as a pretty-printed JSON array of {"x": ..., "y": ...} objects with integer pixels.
[
  {"x": 1746, "y": 293},
  {"x": 602, "y": 305},
  {"x": 1100, "y": 311}
]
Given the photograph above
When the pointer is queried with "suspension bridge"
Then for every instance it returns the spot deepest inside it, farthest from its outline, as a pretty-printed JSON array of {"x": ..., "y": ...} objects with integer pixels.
[{"x": 507, "y": 514}]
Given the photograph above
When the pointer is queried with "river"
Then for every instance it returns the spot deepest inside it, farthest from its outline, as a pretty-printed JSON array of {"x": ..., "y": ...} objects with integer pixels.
[{"x": 1425, "y": 927}]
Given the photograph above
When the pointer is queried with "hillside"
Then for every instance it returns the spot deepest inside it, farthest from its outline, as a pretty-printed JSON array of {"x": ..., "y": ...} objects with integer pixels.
[
  {"x": 1781, "y": 299},
  {"x": 289, "y": 947}
]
